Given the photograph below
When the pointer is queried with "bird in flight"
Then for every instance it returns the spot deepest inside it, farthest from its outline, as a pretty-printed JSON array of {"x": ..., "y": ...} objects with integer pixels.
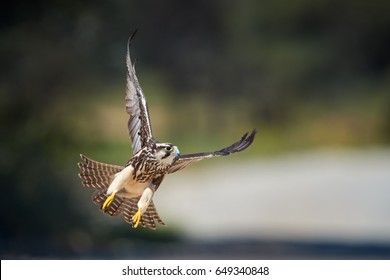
[{"x": 129, "y": 189}]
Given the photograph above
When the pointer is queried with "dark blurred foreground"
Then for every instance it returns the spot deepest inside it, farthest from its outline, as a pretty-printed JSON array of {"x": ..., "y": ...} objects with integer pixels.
[{"x": 224, "y": 249}]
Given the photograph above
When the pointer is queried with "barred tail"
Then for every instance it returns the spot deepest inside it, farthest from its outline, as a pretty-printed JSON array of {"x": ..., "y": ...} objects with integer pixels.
[
  {"x": 148, "y": 218},
  {"x": 97, "y": 175},
  {"x": 129, "y": 207},
  {"x": 116, "y": 206}
]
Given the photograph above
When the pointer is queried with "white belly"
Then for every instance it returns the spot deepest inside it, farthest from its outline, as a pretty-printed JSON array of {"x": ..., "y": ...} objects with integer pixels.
[
  {"x": 124, "y": 185},
  {"x": 133, "y": 189}
]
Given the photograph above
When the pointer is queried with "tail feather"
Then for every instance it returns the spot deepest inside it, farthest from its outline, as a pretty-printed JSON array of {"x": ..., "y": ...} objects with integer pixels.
[
  {"x": 116, "y": 206},
  {"x": 147, "y": 219},
  {"x": 99, "y": 197},
  {"x": 154, "y": 214},
  {"x": 97, "y": 185},
  {"x": 129, "y": 210},
  {"x": 102, "y": 177},
  {"x": 98, "y": 176},
  {"x": 93, "y": 164},
  {"x": 95, "y": 174}
]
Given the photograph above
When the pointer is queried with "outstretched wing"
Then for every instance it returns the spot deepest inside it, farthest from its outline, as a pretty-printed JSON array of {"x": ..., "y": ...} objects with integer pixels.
[
  {"x": 140, "y": 130},
  {"x": 239, "y": 146}
]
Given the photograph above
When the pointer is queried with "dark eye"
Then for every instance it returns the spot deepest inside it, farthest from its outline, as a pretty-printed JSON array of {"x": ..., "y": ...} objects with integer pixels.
[{"x": 168, "y": 148}]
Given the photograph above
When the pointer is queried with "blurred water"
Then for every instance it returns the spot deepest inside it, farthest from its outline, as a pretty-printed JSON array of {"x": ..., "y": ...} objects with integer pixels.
[{"x": 330, "y": 195}]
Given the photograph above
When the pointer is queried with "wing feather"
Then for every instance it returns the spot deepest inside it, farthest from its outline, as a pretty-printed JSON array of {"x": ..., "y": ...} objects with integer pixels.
[
  {"x": 139, "y": 127},
  {"x": 185, "y": 160}
]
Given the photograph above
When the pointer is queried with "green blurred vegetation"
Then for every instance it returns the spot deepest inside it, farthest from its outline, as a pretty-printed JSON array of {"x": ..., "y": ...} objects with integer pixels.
[{"x": 306, "y": 74}]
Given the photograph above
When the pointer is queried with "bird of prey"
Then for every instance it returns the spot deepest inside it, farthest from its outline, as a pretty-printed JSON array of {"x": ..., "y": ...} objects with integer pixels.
[{"x": 129, "y": 189}]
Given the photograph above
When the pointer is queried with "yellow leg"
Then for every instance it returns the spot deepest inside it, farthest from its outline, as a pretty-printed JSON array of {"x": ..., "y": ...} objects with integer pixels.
[
  {"x": 108, "y": 201},
  {"x": 136, "y": 218}
]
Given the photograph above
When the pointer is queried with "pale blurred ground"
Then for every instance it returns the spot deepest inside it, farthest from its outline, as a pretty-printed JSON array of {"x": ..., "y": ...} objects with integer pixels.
[{"x": 330, "y": 195}]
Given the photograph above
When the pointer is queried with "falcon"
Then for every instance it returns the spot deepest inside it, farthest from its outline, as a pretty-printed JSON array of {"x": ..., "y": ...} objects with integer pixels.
[{"x": 129, "y": 189}]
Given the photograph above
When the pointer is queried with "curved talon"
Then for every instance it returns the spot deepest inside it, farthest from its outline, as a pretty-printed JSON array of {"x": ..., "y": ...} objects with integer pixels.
[
  {"x": 136, "y": 218},
  {"x": 108, "y": 201}
]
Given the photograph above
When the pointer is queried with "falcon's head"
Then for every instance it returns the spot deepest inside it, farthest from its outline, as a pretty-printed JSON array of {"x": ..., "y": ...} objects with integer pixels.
[{"x": 166, "y": 153}]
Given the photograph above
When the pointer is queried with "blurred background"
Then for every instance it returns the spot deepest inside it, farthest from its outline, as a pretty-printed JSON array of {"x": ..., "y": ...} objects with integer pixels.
[{"x": 312, "y": 76}]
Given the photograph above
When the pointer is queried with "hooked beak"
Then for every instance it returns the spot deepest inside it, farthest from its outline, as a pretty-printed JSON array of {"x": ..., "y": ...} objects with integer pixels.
[{"x": 176, "y": 151}]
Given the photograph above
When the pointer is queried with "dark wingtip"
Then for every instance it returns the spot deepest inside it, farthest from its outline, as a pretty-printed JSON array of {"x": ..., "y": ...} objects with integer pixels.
[
  {"x": 246, "y": 141},
  {"x": 251, "y": 137},
  {"x": 128, "y": 61},
  {"x": 132, "y": 36},
  {"x": 239, "y": 146}
]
